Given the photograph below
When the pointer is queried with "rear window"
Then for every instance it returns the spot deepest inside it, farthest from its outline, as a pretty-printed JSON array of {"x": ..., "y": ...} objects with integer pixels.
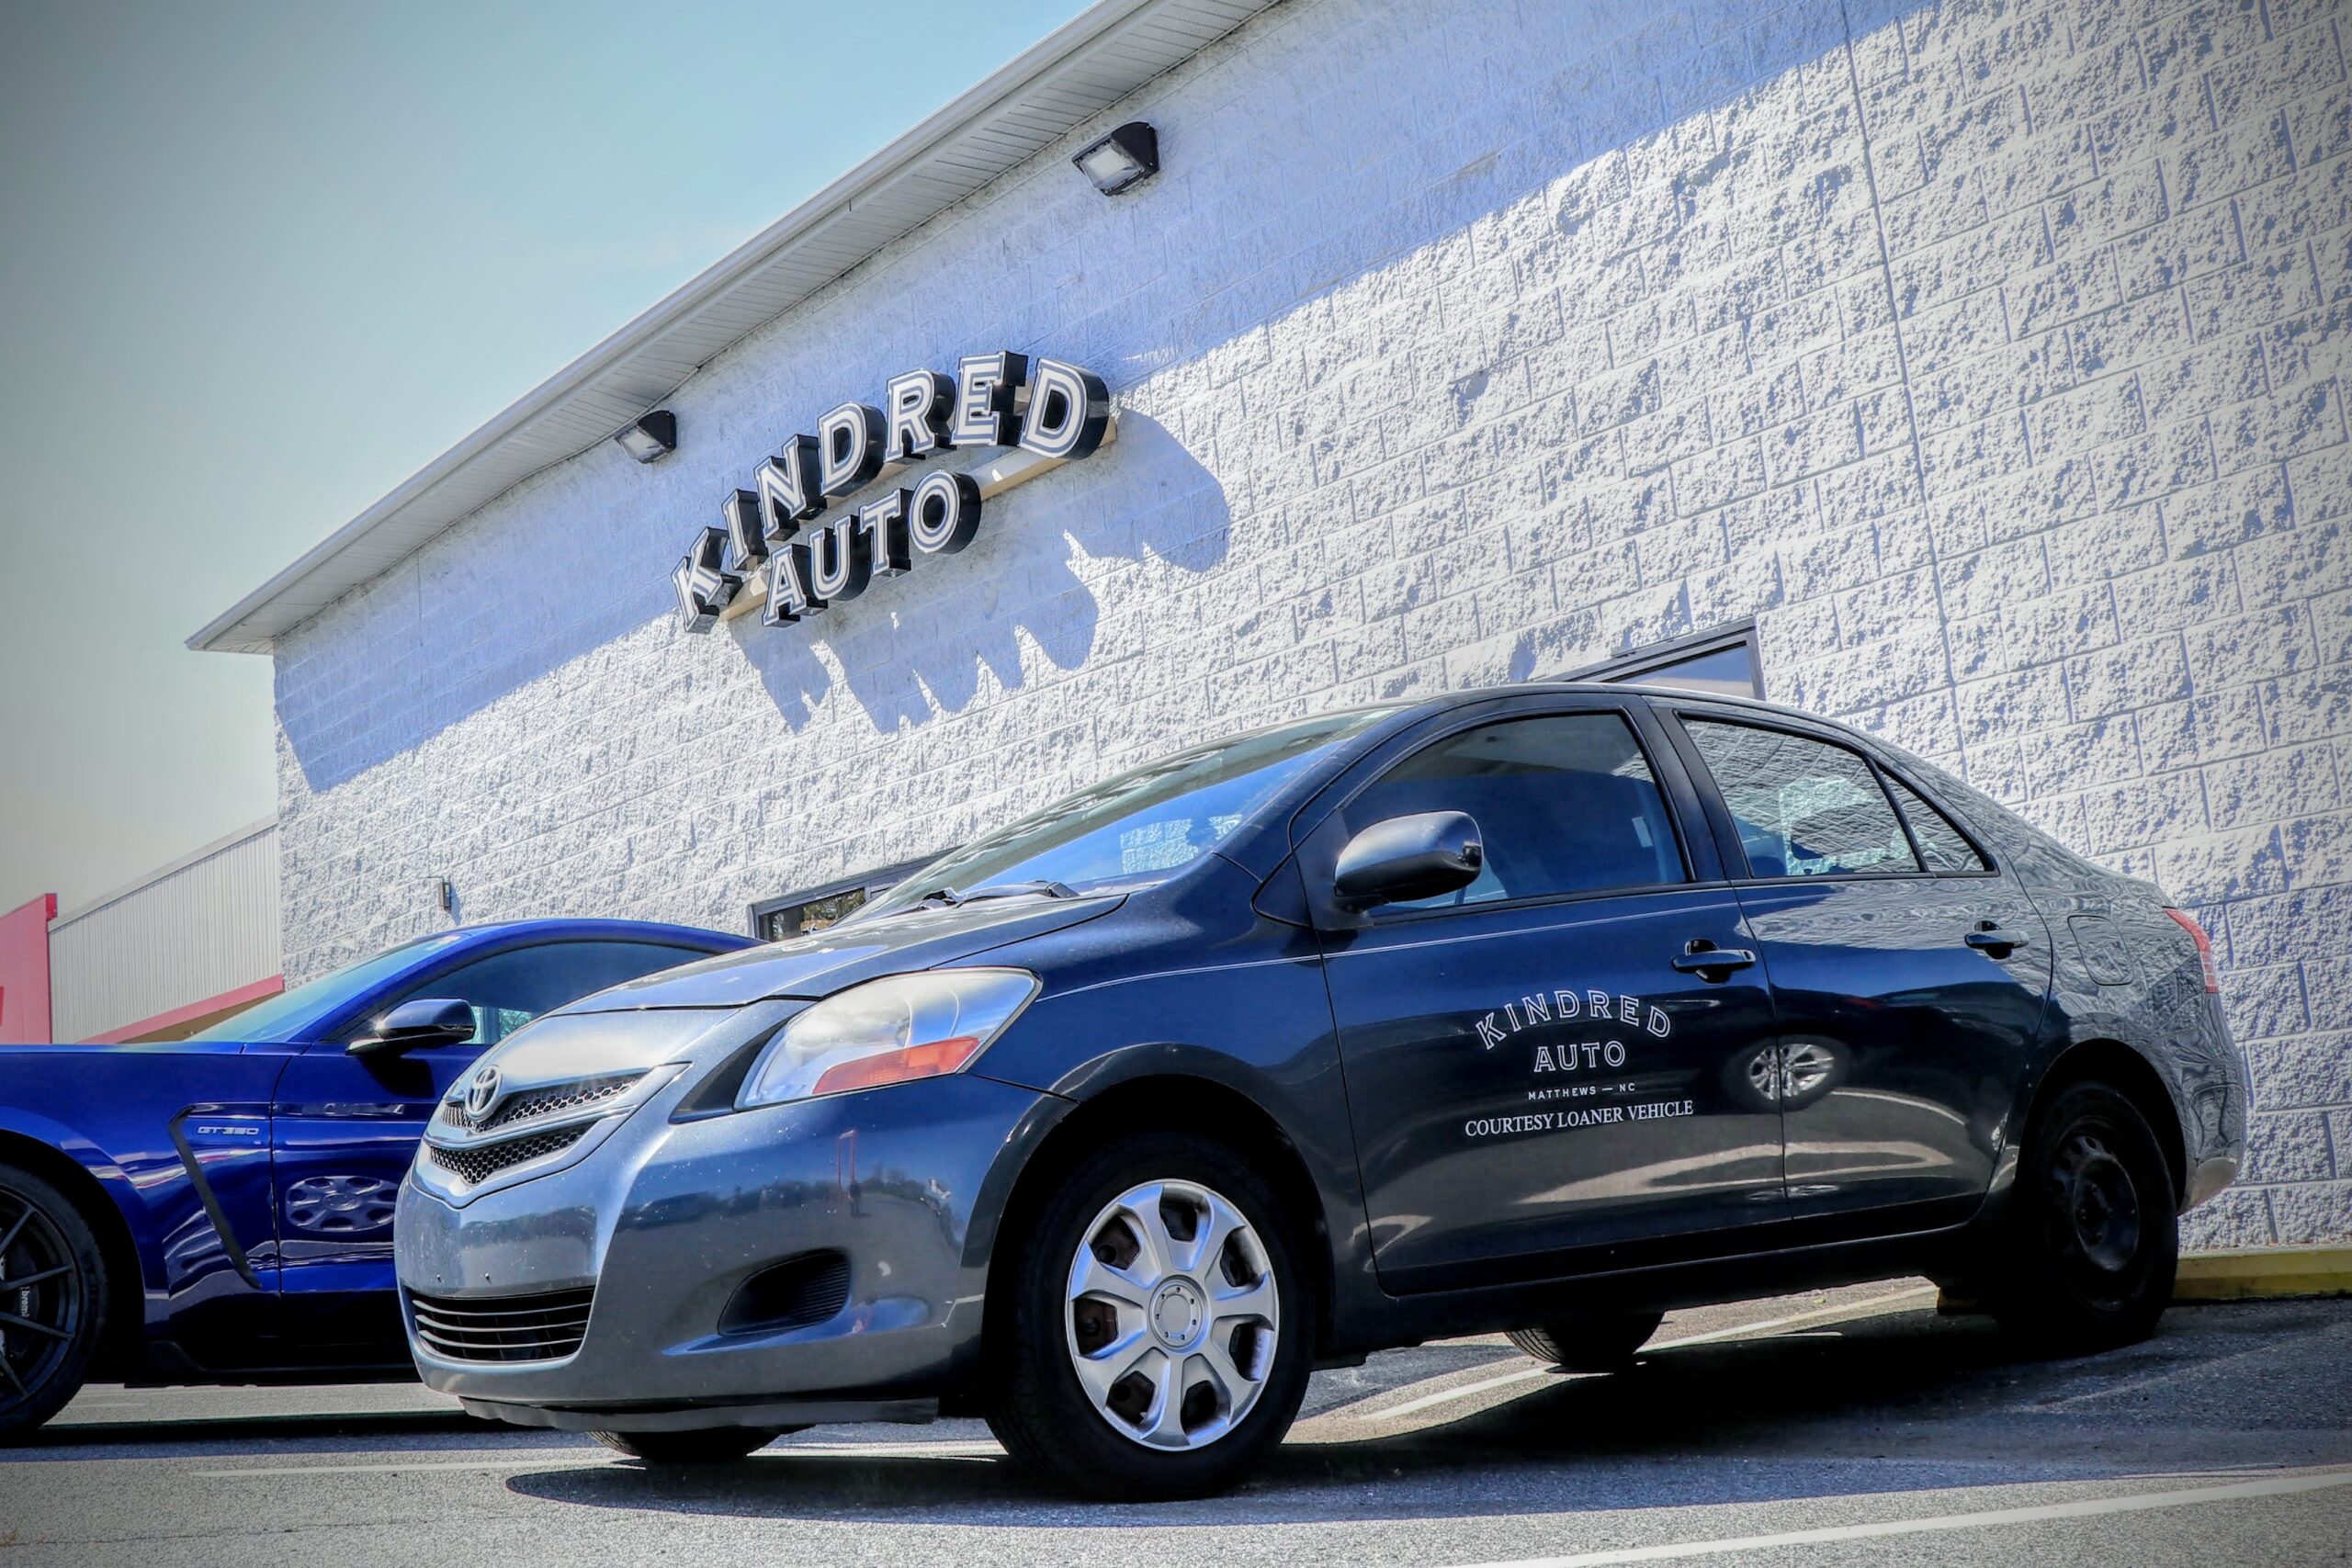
[{"x": 1941, "y": 843}]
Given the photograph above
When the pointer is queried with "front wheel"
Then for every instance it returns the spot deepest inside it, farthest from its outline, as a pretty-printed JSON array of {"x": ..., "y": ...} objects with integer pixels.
[
  {"x": 52, "y": 1301},
  {"x": 1155, "y": 1342},
  {"x": 706, "y": 1445},
  {"x": 2095, "y": 1234},
  {"x": 1589, "y": 1344}
]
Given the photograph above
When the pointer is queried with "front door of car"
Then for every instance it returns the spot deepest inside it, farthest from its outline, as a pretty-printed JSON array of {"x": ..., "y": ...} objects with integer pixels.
[
  {"x": 1542, "y": 1067},
  {"x": 346, "y": 1126},
  {"x": 1910, "y": 974}
]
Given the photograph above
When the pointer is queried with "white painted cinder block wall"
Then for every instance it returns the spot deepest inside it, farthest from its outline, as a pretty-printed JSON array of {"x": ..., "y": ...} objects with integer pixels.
[{"x": 1991, "y": 356}]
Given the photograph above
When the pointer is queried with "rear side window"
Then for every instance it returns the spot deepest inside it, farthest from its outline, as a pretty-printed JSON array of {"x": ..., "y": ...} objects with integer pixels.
[
  {"x": 1941, "y": 843},
  {"x": 1804, "y": 807},
  {"x": 1564, "y": 803}
]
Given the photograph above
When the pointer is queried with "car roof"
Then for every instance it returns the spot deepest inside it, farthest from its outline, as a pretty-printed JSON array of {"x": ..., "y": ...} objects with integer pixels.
[
  {"x": 1620, "y": 689},
  {"x": 573, "y": 927}
]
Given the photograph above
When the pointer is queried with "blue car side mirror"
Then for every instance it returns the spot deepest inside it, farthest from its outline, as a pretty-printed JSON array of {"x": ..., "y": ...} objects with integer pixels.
[
  {"x": 412, "y": 1026},
  {"x": 1418, "y": 856}
]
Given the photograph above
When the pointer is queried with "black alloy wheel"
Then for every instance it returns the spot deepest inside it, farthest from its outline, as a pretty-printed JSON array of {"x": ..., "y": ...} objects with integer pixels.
[
  {"x": 703, "y": 1445},
  {"x": 2095, "y": 1227},
  {"x": 1599, "y": 1343},
  {"x": 1151, "y": 1342},
  {"x": 52, "y": 1301}
]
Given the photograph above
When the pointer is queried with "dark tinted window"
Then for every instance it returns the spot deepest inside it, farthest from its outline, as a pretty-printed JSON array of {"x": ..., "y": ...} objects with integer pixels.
[
  {"x": 1804, "y": 807},
  {"x": 1941, "y": 845},
  {"x": 508, "y": 989},
  {"x": 1565, "y": 804}
]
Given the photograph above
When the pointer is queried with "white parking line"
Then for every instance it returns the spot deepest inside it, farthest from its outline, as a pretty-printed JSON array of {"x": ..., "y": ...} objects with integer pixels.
[
  {"x": 2089, "y": 1507},
  {"x": 541, "y": 1458},
  {"x": 1848, "y": 1310},
  {"x": 508, "y": 1462}
]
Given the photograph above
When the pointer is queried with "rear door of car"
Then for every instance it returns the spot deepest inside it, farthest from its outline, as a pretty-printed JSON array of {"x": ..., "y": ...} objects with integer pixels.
[
  {"x": 1535, "y": 1066},
  {"x": 1909, "y": 969}
]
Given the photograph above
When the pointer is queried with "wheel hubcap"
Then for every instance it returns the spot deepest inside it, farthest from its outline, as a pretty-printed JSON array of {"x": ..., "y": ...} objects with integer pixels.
[
  {"x": 1172, "y": 1314},
  {"x": 40, "y": 1299},
  {"x": 2093, "y": 1189}
]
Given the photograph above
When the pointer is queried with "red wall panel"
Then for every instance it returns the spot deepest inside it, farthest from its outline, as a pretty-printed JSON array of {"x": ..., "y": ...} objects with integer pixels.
[{"x": 24, "y": 972}]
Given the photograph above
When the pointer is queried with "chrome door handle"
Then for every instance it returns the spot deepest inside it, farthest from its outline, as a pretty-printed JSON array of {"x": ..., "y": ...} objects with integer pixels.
[
  {"x": 1995, "y": 939},
  {"x": 1712, "y": 962}
]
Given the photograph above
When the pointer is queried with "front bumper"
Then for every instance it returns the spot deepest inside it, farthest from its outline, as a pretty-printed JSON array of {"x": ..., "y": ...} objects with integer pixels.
[{"x": 665, "y": 1220}]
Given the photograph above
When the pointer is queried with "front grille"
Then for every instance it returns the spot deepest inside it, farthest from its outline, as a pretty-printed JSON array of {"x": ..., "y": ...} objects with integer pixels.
[
  {"x": 551, "y": 1100},
  {"x": 503, "y": 1328},
  {"x": 480, "y": 1163}
]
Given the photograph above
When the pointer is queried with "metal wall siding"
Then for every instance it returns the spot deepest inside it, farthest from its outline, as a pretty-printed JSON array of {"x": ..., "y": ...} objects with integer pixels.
[{"x": 201, "y": 928}]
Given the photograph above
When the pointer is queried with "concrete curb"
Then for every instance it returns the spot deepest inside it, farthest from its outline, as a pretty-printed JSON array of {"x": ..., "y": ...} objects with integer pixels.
[
  {"x": 2237, "y": 1274},
  {"x": 2256, "y": 1272}
]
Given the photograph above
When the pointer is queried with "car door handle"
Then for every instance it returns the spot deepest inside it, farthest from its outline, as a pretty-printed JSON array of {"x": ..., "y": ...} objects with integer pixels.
[
  {"x": 1713, "y": 962},
  {"x": 1995, "y": 939}
]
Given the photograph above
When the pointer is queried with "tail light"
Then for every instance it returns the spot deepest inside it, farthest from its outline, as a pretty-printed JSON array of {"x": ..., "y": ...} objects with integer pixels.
[{"x": 2204, "y": 949}]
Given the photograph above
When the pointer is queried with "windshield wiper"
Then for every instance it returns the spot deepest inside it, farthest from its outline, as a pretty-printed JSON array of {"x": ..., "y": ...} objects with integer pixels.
[{"x": 948, "y": 897}]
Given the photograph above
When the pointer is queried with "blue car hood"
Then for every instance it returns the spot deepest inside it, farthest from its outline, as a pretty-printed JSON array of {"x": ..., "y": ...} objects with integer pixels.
[
  {"x": 71, "y": 1058},
  {"x": 827, "y": 961}
]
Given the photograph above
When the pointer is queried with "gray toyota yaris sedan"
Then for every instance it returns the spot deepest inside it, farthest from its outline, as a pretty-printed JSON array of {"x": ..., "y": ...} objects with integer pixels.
[{"x": 1540, "y": 1010}]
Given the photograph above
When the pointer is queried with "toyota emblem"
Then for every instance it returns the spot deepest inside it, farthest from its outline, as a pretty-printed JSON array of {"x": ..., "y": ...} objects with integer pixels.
[{"x": 481, "y": 1093}]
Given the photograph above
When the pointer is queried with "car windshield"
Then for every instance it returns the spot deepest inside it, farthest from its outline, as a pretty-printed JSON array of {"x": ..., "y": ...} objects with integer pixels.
[
  {"x": 1139, "y": 827},
  {"x": 298, "y": 1014}
]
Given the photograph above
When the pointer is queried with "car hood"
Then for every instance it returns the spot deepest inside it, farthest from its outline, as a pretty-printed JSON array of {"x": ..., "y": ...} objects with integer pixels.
[
  {"x": 74, "y": 1057},
  {"x": 827, "y": 961}
]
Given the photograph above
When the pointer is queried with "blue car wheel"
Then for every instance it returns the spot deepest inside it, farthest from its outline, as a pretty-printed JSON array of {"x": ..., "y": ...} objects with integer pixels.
[{"x": 52, "y": 1301}]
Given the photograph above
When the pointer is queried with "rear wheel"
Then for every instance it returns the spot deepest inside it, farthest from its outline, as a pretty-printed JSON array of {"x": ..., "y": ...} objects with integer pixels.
[
  {"x": 52, "y": 1301},
  {"x": 1155, "y": 1343},
  {"x": 1589, "y": 1344},
  {"x": 2094, "y": 1233},
  {"x": 706, "y": 1445}
]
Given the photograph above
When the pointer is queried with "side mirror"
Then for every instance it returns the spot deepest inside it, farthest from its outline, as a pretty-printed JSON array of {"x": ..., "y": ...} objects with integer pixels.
[
  {"x": 1418, "y": 856},
  {"x": 412, "y": 1026}
]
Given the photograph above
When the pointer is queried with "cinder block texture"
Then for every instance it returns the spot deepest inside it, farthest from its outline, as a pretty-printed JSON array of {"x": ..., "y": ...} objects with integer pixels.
[{"x": 1991, "y": 356}]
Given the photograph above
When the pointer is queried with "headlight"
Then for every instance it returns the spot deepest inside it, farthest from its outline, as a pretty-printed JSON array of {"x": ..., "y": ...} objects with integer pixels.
[{"x": 886, "y": 1031}]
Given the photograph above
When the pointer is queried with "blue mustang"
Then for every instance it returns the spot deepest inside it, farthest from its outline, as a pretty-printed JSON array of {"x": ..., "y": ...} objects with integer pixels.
[{"x": 219, "y": 1209}]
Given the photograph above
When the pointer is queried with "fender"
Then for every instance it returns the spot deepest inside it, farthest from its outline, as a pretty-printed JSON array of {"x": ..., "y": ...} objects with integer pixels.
[
  {"x": 114, "y": 1180},
  {"x": 1255, "y": 986}
]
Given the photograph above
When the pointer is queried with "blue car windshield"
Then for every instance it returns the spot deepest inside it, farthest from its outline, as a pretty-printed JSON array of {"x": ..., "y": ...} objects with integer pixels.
[
  {"x": 301, "y": 1013},
  {"x": 1141, "y": 827}
]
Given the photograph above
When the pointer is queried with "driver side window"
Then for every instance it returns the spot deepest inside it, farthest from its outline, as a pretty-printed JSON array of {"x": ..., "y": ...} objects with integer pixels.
[
  {"x": 1565, "y": 803},
  {"x": 507, "y": 990}
]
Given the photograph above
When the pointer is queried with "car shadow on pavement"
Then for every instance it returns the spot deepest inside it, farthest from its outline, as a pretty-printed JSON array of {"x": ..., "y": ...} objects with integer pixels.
[{"x": 1894, "y": 1405}]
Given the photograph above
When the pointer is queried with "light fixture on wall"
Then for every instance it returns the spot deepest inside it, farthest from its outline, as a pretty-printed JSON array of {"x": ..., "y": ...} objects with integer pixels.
[
  {"x": 651, "y": 439},
  {"x": 1127, "y": 156}
]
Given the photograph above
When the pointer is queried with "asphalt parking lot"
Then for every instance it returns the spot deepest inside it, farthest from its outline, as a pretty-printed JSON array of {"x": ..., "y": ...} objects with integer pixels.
[{"x": 1847, "y": 1427}]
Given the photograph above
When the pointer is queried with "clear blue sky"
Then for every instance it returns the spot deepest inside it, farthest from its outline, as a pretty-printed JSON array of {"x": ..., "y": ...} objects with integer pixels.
[{"x": 260, "y": 263}]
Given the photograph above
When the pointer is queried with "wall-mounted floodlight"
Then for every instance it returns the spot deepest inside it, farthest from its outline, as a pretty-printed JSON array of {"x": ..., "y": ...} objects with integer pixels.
[
  {"x": 1127, "y": 156},
  {"x": 651, "y": 439}
]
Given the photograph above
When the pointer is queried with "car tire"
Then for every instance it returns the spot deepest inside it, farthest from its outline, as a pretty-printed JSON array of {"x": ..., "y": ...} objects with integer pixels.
[
  {"x": 52, "y": 1301},
  {"x": 1604, "y": 1344},
  {"x": 2094, "y": 1228},
  {"x": 703, "y": 1445},
  {"x": 1116, "y": 1273}
]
